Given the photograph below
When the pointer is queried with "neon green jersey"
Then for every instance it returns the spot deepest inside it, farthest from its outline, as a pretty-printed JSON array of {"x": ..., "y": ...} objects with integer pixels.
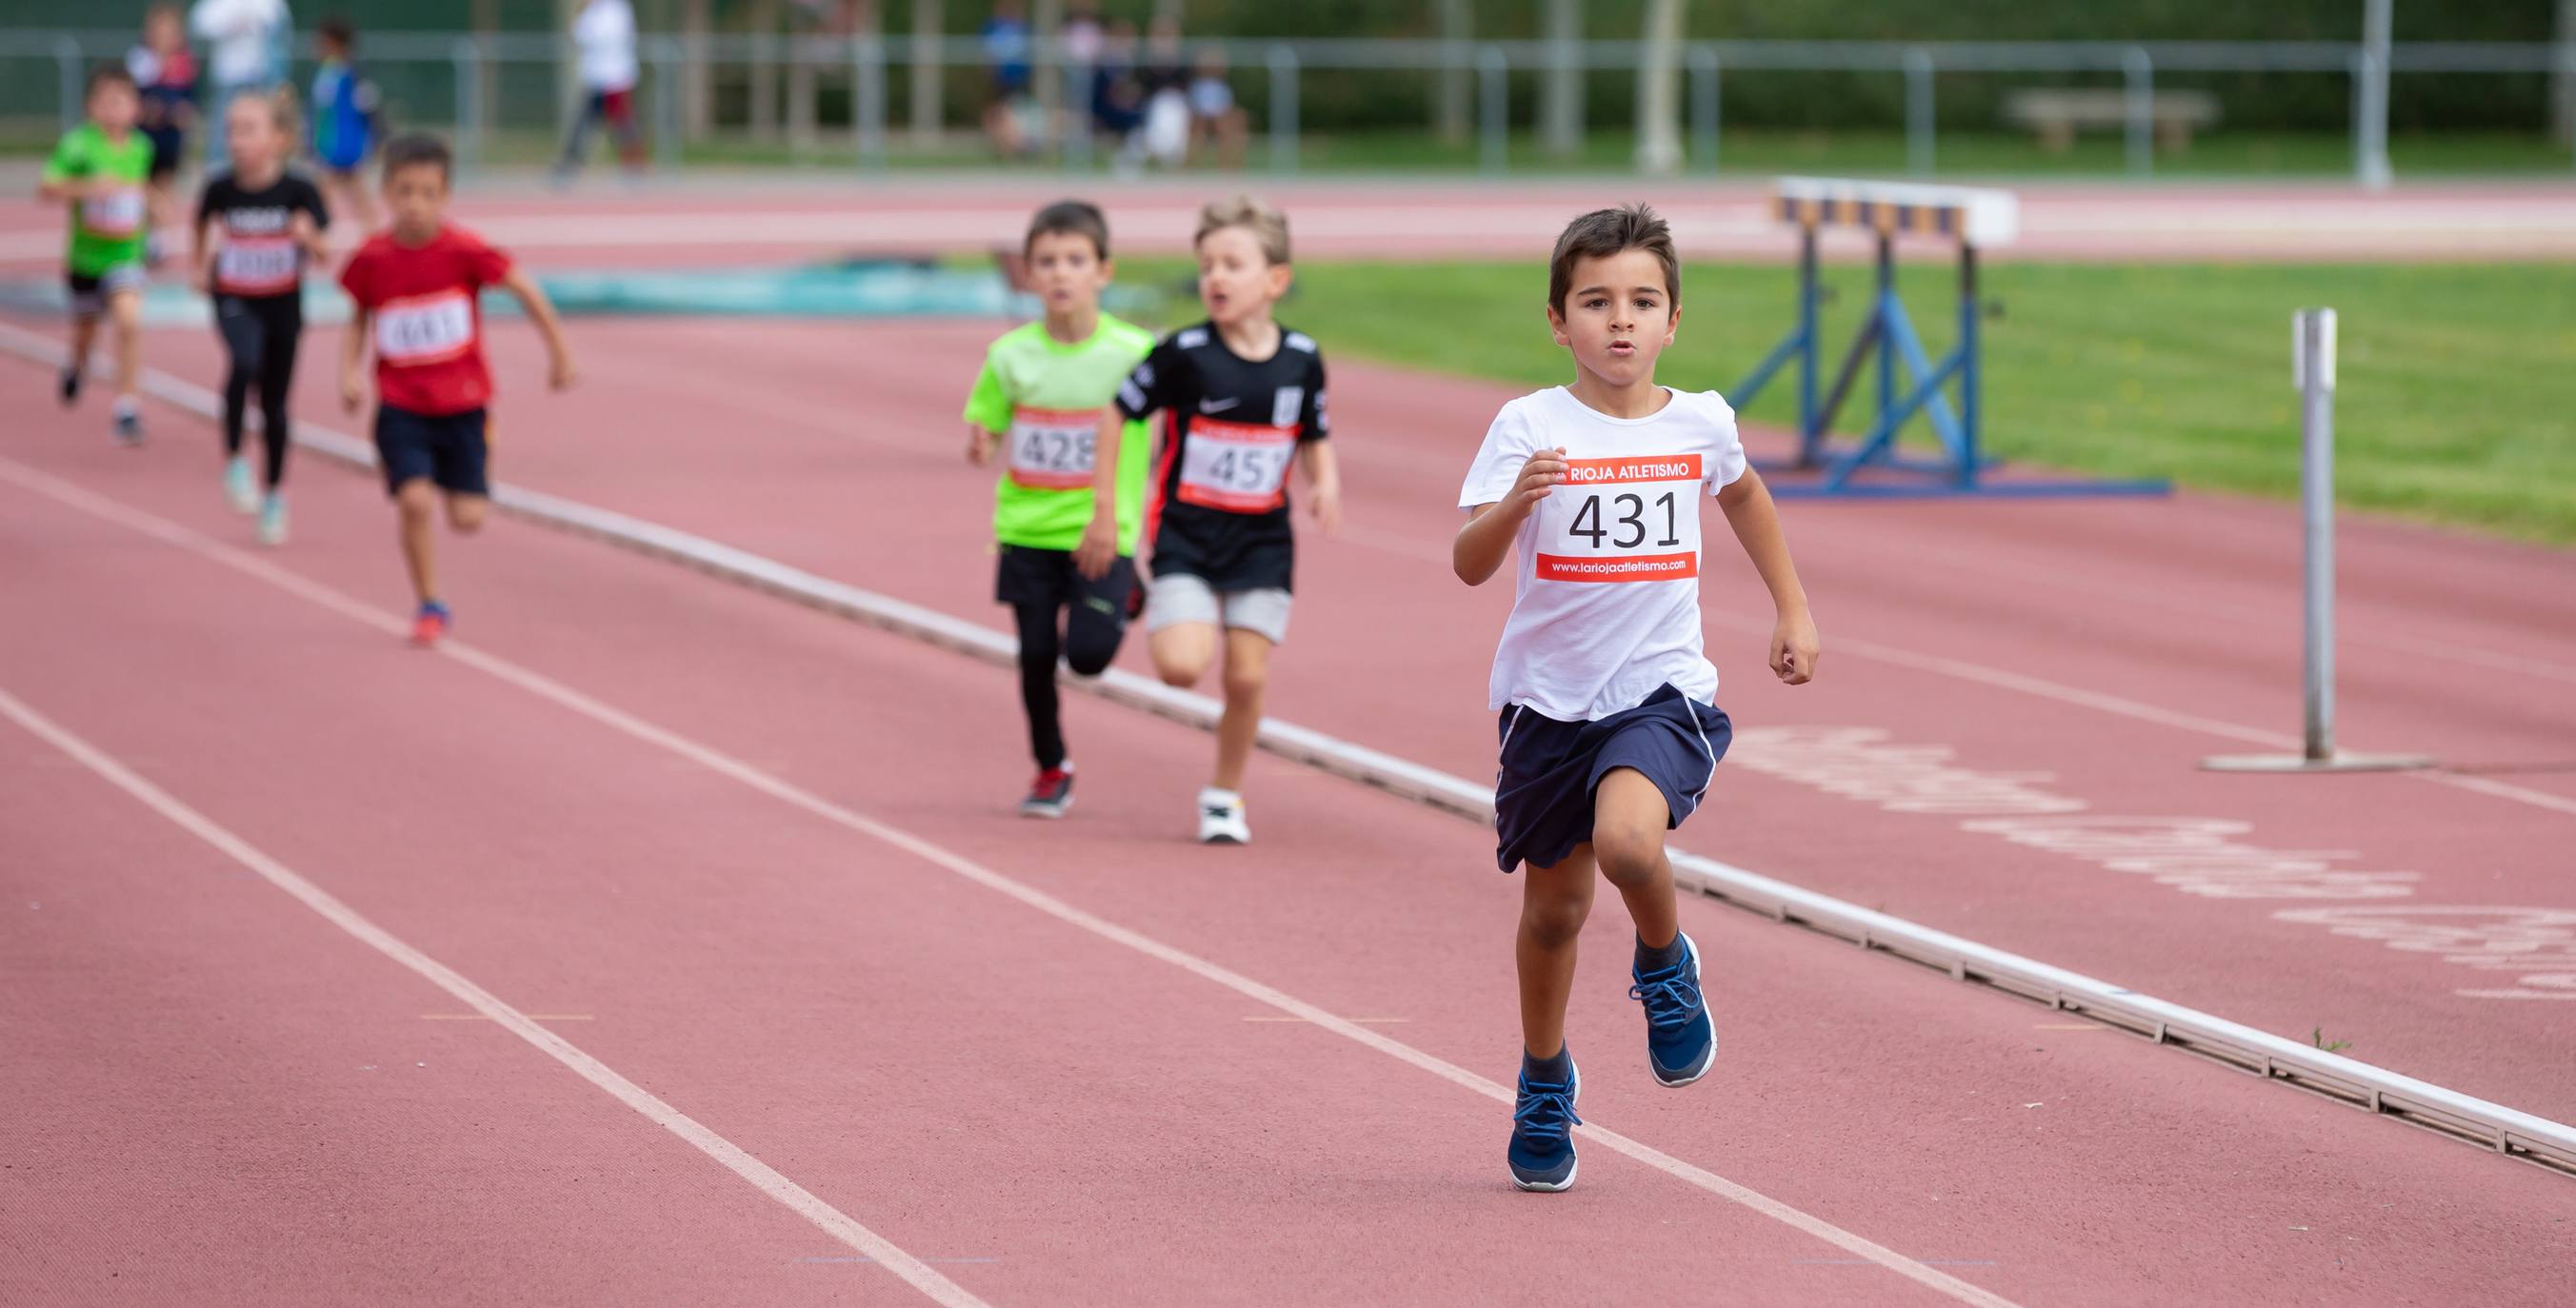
[
  {"x": 107, "y": 228},
  {"x": 1045, "y": 398}
]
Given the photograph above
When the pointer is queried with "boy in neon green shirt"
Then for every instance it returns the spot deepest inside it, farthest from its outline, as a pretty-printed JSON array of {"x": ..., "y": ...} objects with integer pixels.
[
  {"x": 102, "y": 169},
  {"x": 1037, "y": 406}
]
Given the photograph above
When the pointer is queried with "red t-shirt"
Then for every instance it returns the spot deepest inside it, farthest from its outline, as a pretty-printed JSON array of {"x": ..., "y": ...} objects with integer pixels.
[{"x": 428, "y": 317}]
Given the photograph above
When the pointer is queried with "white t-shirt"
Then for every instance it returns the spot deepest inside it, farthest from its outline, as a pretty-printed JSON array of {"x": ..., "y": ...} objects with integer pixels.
[
  {"x": 1606, "y": 608},
  {"x": 605, "y": 32},
  {"x": 243, "y": 32}
]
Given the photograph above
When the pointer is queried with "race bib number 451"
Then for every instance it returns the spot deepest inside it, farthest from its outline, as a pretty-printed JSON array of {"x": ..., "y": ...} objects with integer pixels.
[
  {"x": 1236, "y": 466},
  {"x": 1051, "y": 449},
  {"x": 425, "y": 328},
  {"x": 1632, "y": 519}
]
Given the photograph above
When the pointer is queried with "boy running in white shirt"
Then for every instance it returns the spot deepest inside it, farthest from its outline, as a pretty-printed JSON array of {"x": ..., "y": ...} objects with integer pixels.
[{"x": 1609, "y": 734}]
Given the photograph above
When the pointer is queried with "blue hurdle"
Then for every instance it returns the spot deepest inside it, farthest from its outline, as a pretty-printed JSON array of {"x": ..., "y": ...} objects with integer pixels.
[{"x": 1974, "y": 217}]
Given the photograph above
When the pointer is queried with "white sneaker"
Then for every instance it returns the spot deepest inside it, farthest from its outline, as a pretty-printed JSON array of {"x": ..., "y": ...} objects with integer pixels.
[
  {"x": 238, "y": 486},
  {"x": 272, "y": 520},
  {"x": 1221, "y": 818}
]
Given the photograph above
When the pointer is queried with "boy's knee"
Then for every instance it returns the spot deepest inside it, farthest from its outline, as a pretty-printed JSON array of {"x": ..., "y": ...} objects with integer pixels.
[
  {"x": 417, "y": 501},
  {"x": 1628, "y": 854},
  {"x": 1244, "y": 683},
  {"x": 1553, "y": 921},
  {"x": 465, "y": 514}
]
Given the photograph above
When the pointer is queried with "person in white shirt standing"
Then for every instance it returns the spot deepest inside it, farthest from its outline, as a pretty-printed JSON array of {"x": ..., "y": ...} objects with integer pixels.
[
  {"x": 1610, "y": 734},
  {"x": 250, "y": 39},
  {"x": 604, "y": 33}
]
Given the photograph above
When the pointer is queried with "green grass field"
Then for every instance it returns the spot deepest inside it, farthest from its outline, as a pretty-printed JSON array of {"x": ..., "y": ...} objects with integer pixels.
[{"x": 2457, "y": 399}]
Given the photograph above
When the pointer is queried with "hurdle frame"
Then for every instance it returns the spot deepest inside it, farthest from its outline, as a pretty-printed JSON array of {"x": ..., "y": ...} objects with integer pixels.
[{"x": 1974, "y": 217}]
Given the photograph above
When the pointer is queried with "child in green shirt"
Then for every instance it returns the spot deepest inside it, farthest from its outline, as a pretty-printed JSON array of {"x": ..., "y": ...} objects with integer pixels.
[
  {"x": 102, "y": 169},
  {"x": 1037, "y": 404}
]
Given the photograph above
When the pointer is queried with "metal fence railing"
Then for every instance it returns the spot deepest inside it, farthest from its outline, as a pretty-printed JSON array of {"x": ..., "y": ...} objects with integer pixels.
[{"x": 479, "y": 86}]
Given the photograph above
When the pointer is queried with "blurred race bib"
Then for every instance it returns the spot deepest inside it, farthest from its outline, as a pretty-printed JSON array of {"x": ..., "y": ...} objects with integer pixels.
[{"x": 425, "y": 328}]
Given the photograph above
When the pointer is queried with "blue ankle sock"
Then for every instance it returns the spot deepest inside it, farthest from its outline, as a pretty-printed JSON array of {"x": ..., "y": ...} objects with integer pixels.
[
  {"x": 1549, "y": 1071},
  {"x": 1651, "y": 960}
]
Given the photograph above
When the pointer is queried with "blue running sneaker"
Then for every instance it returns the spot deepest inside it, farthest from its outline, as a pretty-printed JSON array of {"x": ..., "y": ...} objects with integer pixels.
[
  {"x": 1542, "y": 1152},
  {"x": 1681, "y": 1042}
]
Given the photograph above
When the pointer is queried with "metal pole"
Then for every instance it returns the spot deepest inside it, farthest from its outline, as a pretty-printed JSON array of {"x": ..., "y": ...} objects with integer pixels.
[
  {"x": 2371, "y": 133},
  {"x": 2313, "y": 370},
  {"x": 1968, "y": 316},
  {"x": 1886, "y": 338},
  {"x": 867, "y": 71},
  {"x": 1493, "y": 109},
  {"x": 67, "y": 62},
  {"x": 2140, "y": 70},
  {"x": 1704, "y": 106},
  {"x": 468, "y": 58},
  {"x": 1918, "y": 110},
  {"x": 1283, "y": 110},
  {"x": 1808, "y": 433}
]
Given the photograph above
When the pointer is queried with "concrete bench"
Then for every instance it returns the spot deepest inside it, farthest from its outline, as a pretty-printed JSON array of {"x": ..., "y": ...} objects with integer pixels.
[{"x": 2058, "y": 113}]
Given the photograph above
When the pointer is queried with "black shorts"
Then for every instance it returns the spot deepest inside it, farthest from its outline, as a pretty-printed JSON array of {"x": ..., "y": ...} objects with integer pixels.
[
  {"x": 1544, "y": 792},
  {"x": 169, "y": 146},
  {"x": 447, "y": 448},
  {"x": 89, "y": 293},
  {"x": 1024, "y": 575}
]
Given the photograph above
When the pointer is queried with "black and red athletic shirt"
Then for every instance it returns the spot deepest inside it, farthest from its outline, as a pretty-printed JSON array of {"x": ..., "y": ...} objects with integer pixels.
[
  {"x": 260, "y": 257},
  {"x": 1231, "y": 431}
]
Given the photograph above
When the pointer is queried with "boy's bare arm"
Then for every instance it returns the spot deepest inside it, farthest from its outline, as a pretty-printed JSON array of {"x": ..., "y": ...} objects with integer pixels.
[
  {"x": 1486, "y": 540},
  {"x": 560, "y": 373},
  {"x": 64, "y": 190},
  {"x": 1756, "y": 522},
  {"x": 1323, "y": 484},
  {"x": 199, "y": 254},
  {"x": 1099, "y": 547},
  {"x": 353, "y": 357}
]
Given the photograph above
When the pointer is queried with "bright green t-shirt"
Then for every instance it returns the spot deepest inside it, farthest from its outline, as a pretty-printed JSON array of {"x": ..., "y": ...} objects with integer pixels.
[
  {"x": 107, "y": 229},
  {"x": 1044, "y": 398}
]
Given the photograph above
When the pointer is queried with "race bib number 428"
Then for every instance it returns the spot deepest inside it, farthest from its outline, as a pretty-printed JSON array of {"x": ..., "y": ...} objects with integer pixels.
[
  {"x": 1236, "y": 466},
  {"x": 1631, "y": 519},
  {"x": 1051, "y": 449},
  {"x": 425, "y": 328}
]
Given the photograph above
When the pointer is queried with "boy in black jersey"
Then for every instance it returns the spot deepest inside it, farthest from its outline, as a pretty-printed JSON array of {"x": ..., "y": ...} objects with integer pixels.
[
  {"x": 1242, "y": 398},
  {"x": 268, "y": 223}
]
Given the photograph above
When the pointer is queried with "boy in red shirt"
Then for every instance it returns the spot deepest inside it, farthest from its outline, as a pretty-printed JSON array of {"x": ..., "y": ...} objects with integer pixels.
[{"x": 415, "y": 288}]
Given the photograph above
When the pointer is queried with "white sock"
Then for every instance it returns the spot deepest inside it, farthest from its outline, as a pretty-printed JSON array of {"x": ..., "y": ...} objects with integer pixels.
[
  {"x": 1229, "y": 798},
  {"x": 126, "y": 407}
]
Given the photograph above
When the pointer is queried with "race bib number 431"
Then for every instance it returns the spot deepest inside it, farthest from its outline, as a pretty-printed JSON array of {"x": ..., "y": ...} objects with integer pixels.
[
  {"x": 1051, "y": 449},
  {"x": 425, "y": 328},
  {"x": 1632, "y": 519},
  {"x": 1236, "y": 466}
]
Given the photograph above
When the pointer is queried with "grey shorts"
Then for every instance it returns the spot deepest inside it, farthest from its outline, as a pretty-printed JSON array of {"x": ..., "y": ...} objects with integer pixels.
[
  {"x": 89, "y": 295},
  {"x": 1180, "y": 599}
]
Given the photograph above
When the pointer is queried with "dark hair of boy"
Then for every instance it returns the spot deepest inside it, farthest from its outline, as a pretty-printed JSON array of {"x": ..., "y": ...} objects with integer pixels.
[
  {"x": 1605, "y": 232},
  {"x": 108, "y": 75},
  {"x": 418, "y": 149},
  {"x": 338, "y": 31},
  {"x": 1070, "y": 218}
]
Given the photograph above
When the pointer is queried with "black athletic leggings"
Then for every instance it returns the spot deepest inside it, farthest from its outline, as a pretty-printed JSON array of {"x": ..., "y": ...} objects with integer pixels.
[
  {"x": 261, "y": 335},
  {"x": 1088, "y": 642}
]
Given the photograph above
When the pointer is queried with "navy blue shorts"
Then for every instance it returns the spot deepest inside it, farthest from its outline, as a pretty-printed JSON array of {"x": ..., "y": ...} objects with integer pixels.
[
  {"x": 1543, "y": 794},
  {"x": 447, "y": 448}
]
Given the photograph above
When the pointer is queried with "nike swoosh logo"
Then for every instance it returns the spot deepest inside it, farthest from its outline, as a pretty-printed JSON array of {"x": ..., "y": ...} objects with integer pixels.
[{"x": 1218, "y": 406}]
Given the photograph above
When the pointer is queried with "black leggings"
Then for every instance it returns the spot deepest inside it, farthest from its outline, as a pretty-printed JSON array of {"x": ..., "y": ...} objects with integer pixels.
[
  {"x": 1089, "y": 641},
  {"x": 261, "y": 335}
]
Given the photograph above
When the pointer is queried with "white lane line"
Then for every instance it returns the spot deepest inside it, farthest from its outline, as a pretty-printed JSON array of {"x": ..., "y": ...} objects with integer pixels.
[
  {"x": 713, "y": 760},
  {"x": 804, "y": 1203}
]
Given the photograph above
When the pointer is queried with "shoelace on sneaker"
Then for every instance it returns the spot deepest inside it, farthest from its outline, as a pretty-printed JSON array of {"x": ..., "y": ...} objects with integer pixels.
[
  {"x": 1669, "y": 998},
  {"x": 1545, "y": 1112}
]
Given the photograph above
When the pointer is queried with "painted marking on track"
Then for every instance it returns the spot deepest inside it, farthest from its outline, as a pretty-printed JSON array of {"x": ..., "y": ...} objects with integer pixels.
[
  {"x": 1362, "y": 1020},
  {"x": 618, "y": 720},
  {"x": 2069, "y": 1026},
  {"x": 485, "y": 1017}
]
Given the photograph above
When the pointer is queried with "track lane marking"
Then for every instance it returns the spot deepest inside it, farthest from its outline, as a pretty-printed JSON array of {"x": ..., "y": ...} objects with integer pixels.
[
  {"x": 566, "y": 697},
  {"x": 732, "y": 1157}
]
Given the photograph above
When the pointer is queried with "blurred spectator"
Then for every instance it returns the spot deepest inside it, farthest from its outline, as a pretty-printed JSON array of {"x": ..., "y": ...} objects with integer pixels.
[
  {"x": 1081, "y": 37},
  {"x": 165, "y": 74},
  {"x": 1010, "y": 109},
  {"x": 347, "y": 120},
  {"x": 1216, "y": 121},
  {"x": 1117, "y": 97},
  {"x": 604, "y": 33},
  {"x": 1164, "y": 136},
  {"x": 249, "y": 38}
]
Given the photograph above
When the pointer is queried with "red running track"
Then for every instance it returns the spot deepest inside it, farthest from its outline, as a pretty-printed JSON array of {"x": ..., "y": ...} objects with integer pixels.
[
  {"x": 232, "y": 1101},
  {"x": 2065, "y": 664}
]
